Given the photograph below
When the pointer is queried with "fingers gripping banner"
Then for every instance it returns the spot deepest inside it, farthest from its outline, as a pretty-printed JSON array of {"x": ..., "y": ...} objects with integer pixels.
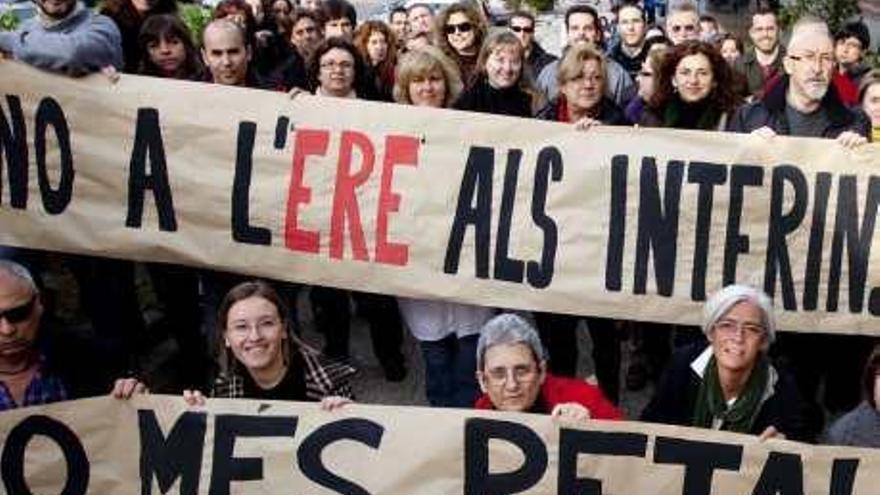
[
  {"x": 617, "y": 222},
  {"x": 156, "y": 445}
]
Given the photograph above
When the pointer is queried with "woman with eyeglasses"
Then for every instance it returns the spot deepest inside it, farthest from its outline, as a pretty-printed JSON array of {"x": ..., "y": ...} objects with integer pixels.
[
  {"x": 581, "y": 100},
  {"x": 512, "y": 372},
  {"x": 731, "y": 384},
  {"x": 460, "y": 33},
  {"x": 499, "y": 85},
  {"x": 337, "y": 70},
  {"x": 695, "y": 90},
  {"x": 646, "y": 80},
  {"x": 375, "y": 42},
  {"x": 260, "y": 357}
]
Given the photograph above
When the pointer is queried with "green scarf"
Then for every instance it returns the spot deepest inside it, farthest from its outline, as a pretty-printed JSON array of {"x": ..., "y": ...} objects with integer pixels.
[
  {"x": 702, "y": 115},
  {"x": 740, "y": 416}
]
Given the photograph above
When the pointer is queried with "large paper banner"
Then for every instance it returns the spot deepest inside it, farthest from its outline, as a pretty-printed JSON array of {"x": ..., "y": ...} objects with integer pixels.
[
  {"x": 617, "y": 222},
  {"x": 155, "y": 445}
]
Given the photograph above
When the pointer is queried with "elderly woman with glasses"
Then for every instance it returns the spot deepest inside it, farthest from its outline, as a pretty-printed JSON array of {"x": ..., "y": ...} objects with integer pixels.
[
  {"x": 512, "y": 373},
  {"x": 731, "y": 384}
]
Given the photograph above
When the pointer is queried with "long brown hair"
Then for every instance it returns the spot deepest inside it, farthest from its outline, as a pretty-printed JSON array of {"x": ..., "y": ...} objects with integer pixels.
[
  {"x": 163, "y": 27},
  {"x": 385, "y": 69}
]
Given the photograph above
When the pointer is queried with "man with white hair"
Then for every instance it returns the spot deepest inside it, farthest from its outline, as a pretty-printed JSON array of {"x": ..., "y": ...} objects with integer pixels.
[
  {"x": 804, "y": 102},
  {"x": 683, "y": 22}
]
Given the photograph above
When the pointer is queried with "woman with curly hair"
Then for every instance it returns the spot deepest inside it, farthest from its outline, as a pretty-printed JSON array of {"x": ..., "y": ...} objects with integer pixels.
[
  {"x": 500, "y": 85},
  {"x": 461, "y": 29},
  {"x": 375, "y": 42},
  {"x": 336, "y": 69},
  {"x": 169, "y": 49},
  {"x": 695, "y": 90}
]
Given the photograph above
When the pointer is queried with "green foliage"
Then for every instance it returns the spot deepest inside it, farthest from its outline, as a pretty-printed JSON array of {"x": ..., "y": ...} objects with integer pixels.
[
  {"x": 8, "y": 21},
  {"x": 540, "y": 5},
  {"x": 834, "y": 12},
  {"x": 196, "y": 18}
]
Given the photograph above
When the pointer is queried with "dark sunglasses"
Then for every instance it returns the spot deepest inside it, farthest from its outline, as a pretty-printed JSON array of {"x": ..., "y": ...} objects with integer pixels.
[
  {"x": 522, "y": 29},
  {"x": 464, "y": 27},
  {"x": 19, "y": 313}
]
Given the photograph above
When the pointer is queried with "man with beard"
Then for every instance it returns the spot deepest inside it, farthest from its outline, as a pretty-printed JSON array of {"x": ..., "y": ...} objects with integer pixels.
[
  {"x": 805, "y": 103},
  {"x": 764, "y": 61},
  {"x": 65, "y": 37}
]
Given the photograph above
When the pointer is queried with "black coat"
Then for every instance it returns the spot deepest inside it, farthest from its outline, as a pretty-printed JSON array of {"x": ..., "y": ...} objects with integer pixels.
[
  {"x": 482, "y": 97},
  {"x": 770, "y": 112},
  {"x": 676, "y": 396},
  {"x": 609, "y": 112}
]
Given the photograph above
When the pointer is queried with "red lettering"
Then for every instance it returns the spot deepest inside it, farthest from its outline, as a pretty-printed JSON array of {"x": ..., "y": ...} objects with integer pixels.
[
  {"x": 309, "y": 142},
  {"x": 344, "y": 198},
  {"x": 399, "y": 150}
]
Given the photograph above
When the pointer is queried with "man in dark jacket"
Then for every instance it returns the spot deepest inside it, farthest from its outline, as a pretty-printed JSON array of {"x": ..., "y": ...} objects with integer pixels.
[
  {"x": 522, "y": 24},
  {"x": 803, "y": 102},
  {"x": 631, "y": 51},
  {"x": 764, "y": 60}
]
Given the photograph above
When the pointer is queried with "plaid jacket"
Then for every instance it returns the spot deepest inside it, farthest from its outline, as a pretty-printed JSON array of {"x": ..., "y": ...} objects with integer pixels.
[
  {"x": 44, "y": 388},
  {"x": 324, "y": 377}
]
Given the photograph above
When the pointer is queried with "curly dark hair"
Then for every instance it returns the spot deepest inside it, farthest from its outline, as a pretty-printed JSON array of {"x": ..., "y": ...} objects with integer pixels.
[{"x": 723, "y": 95}]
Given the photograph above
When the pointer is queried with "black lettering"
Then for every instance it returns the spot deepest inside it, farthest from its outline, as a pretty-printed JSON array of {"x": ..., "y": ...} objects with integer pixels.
[
  {"x": 362, "y": 431},
  {"x": 510, "y": 270},
  {"x": 227, "y": 428},
  {"x": 177, "y": 456},
  {"x": 55, "y": 201},
  {"x": 575, "y": 442},
  {"x": 783, "y": 474},
  {"x": 616, "y": 224},
  {"x": 843, "y": 476},
  {"x": 707, "y": 175},
  {"x": 658, "y": 226},
  {"x": 779, "y": 227},
  {"x": 148, "y": 140},
  {"x": 477, "y": 478},
  {"x": 700, "y": 460},
  {"x": 858, "y": 241},
  {"x": 16, "y": 444},
  {"x": 13, "y": 144},
  {"x": 476, "y": 187},
  {"x": 817, "y": 241},
  {"x": 242, "y": 230},
  {"x": 741, "y": 176},
  {"x": 549, "y": 166},
  {"x": 281, "y": 131}
]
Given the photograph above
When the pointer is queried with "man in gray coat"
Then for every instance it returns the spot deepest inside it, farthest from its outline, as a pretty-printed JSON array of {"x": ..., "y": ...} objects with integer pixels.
[{"x": 65, "y": 37}]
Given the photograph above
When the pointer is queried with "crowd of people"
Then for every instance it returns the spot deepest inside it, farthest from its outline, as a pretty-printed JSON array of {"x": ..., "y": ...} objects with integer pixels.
[{"x": 686, "y": 73}]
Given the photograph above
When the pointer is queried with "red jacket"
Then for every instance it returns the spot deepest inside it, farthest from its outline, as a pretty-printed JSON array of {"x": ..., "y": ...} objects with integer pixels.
[{"x": 559, "y": 390}]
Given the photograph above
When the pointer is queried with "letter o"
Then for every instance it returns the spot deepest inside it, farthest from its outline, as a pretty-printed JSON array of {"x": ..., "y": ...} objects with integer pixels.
[{"x": 16, "y": 443}]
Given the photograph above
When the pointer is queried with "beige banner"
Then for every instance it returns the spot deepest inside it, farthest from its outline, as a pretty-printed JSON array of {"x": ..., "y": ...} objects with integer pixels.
[
  {"x": 618, "y": 222},
  {"x": 153, "y": 445}
]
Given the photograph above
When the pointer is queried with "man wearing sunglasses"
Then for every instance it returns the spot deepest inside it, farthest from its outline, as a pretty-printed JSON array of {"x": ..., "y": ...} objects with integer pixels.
[
  {"x": 522, "y": 24},
  {"x": 25, "y": 378}
]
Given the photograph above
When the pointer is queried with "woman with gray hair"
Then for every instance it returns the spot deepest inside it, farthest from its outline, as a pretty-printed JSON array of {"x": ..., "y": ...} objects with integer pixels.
[
  {"x": 512, "y": 372},
  {"x": 731, "y": 384}
]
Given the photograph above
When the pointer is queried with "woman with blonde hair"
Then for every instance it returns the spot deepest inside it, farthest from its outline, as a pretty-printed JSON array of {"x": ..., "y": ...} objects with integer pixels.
[
  {"x": 460, "y": 31},
  {"x": 500, "y": 85},
  {"x": 426, "y": 77}
]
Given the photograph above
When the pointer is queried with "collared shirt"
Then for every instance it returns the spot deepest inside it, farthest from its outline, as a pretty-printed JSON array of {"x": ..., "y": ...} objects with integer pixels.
[{"x": 44, "y": 388}]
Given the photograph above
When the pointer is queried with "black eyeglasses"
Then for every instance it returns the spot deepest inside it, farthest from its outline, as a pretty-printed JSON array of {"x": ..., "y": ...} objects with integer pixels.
[
  {"x": 464, "y": 27},
  {"x": 522, "y": 29},
  {"x": 19, "y": 313}
]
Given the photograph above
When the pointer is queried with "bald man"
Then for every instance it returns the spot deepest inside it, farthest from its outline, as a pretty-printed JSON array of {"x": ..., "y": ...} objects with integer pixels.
[{"x": 226, "y": 53}]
